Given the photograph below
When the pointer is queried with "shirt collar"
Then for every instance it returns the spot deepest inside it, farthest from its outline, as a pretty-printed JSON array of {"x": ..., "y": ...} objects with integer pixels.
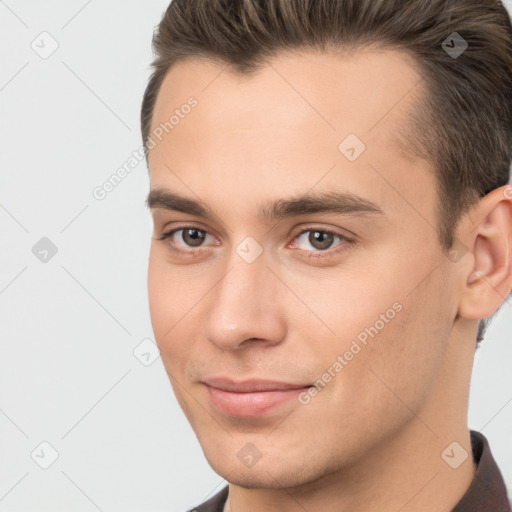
[{"x": 487, "y": 490}]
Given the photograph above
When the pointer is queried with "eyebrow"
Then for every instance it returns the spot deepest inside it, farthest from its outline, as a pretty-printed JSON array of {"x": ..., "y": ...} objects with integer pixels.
[{"x": 325, "y": 202}]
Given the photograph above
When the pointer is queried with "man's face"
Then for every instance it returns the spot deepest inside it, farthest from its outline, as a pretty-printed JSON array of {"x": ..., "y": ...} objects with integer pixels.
[{"x": 358, "y": 300}]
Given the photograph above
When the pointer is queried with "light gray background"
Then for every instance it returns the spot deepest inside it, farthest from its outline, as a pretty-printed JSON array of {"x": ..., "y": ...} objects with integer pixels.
[{"x": 69, "y": 326}]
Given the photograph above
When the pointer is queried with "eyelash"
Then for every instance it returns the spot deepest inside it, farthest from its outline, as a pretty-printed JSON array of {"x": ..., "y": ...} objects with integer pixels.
[{"x": 311, "y": 254}]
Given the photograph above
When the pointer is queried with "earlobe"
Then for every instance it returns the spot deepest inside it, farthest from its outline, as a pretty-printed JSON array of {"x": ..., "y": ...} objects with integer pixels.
[{"x": 489, "y": 281}]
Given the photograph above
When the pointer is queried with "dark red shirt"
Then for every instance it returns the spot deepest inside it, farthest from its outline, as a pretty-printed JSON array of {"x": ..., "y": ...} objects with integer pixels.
[{"x": 487, "y": 492}]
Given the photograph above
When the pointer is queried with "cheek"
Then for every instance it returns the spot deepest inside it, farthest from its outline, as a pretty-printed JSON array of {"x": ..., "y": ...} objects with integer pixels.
[
  {"x": 170, "y": 291},
  {"x": 351, "y": 304},
  {"x": 167, "y": 305},
  {"x": 390, "y": 334},
  {"x": 400, "y": 363},
  {"x": 160, "y": 297}
]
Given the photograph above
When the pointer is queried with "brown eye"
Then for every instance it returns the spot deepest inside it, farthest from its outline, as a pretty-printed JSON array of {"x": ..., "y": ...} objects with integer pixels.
[
  {"x": 320, "y": 239},
  {"x": 193, "y": 237},
  {"x": 188, "y": 237}
]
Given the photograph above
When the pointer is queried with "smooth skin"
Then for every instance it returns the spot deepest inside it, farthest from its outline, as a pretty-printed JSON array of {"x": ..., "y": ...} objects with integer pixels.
[{"x": 372, "y": 439}]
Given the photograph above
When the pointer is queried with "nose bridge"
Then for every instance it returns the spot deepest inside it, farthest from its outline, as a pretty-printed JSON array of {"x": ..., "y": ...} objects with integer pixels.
[{"x": 244, "y": 305}]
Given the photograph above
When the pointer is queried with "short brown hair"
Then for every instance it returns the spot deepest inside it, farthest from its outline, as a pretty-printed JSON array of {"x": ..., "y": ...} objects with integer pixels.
[{"x": 463, "y": 123}]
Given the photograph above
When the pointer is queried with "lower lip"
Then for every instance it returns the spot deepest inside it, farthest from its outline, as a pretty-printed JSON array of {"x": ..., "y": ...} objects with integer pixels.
[{"x": 250, "y": 404}]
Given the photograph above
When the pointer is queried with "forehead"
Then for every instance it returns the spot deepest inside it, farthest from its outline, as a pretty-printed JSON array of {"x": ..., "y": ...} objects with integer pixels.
[
  {"x": 364, "y": 90},
  {"x": 286, "y": 119}
]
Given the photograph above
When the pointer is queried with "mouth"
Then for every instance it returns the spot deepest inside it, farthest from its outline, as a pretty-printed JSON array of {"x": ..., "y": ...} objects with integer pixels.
[{"x": 250, "y": 398}]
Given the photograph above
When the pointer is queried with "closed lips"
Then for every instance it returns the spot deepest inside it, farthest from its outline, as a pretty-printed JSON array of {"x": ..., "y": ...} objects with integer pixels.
[{"x": 251, "y": 386}]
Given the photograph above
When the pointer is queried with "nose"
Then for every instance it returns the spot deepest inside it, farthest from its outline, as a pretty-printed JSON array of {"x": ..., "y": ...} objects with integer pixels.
[{"x": 245, "y": 307}]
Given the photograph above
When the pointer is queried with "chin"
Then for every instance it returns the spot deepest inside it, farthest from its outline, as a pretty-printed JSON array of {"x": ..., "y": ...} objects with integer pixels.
[
  {"x": 252, "y": 478},
  {"x": 267, "y": 473}
]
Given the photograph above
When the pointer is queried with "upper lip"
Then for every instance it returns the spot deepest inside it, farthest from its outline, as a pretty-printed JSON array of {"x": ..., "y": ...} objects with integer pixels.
[{"x": 251, "y": 385}]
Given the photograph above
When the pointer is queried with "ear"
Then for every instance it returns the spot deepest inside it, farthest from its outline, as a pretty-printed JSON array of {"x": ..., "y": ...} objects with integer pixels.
[{"x": 487, "y": 233}]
